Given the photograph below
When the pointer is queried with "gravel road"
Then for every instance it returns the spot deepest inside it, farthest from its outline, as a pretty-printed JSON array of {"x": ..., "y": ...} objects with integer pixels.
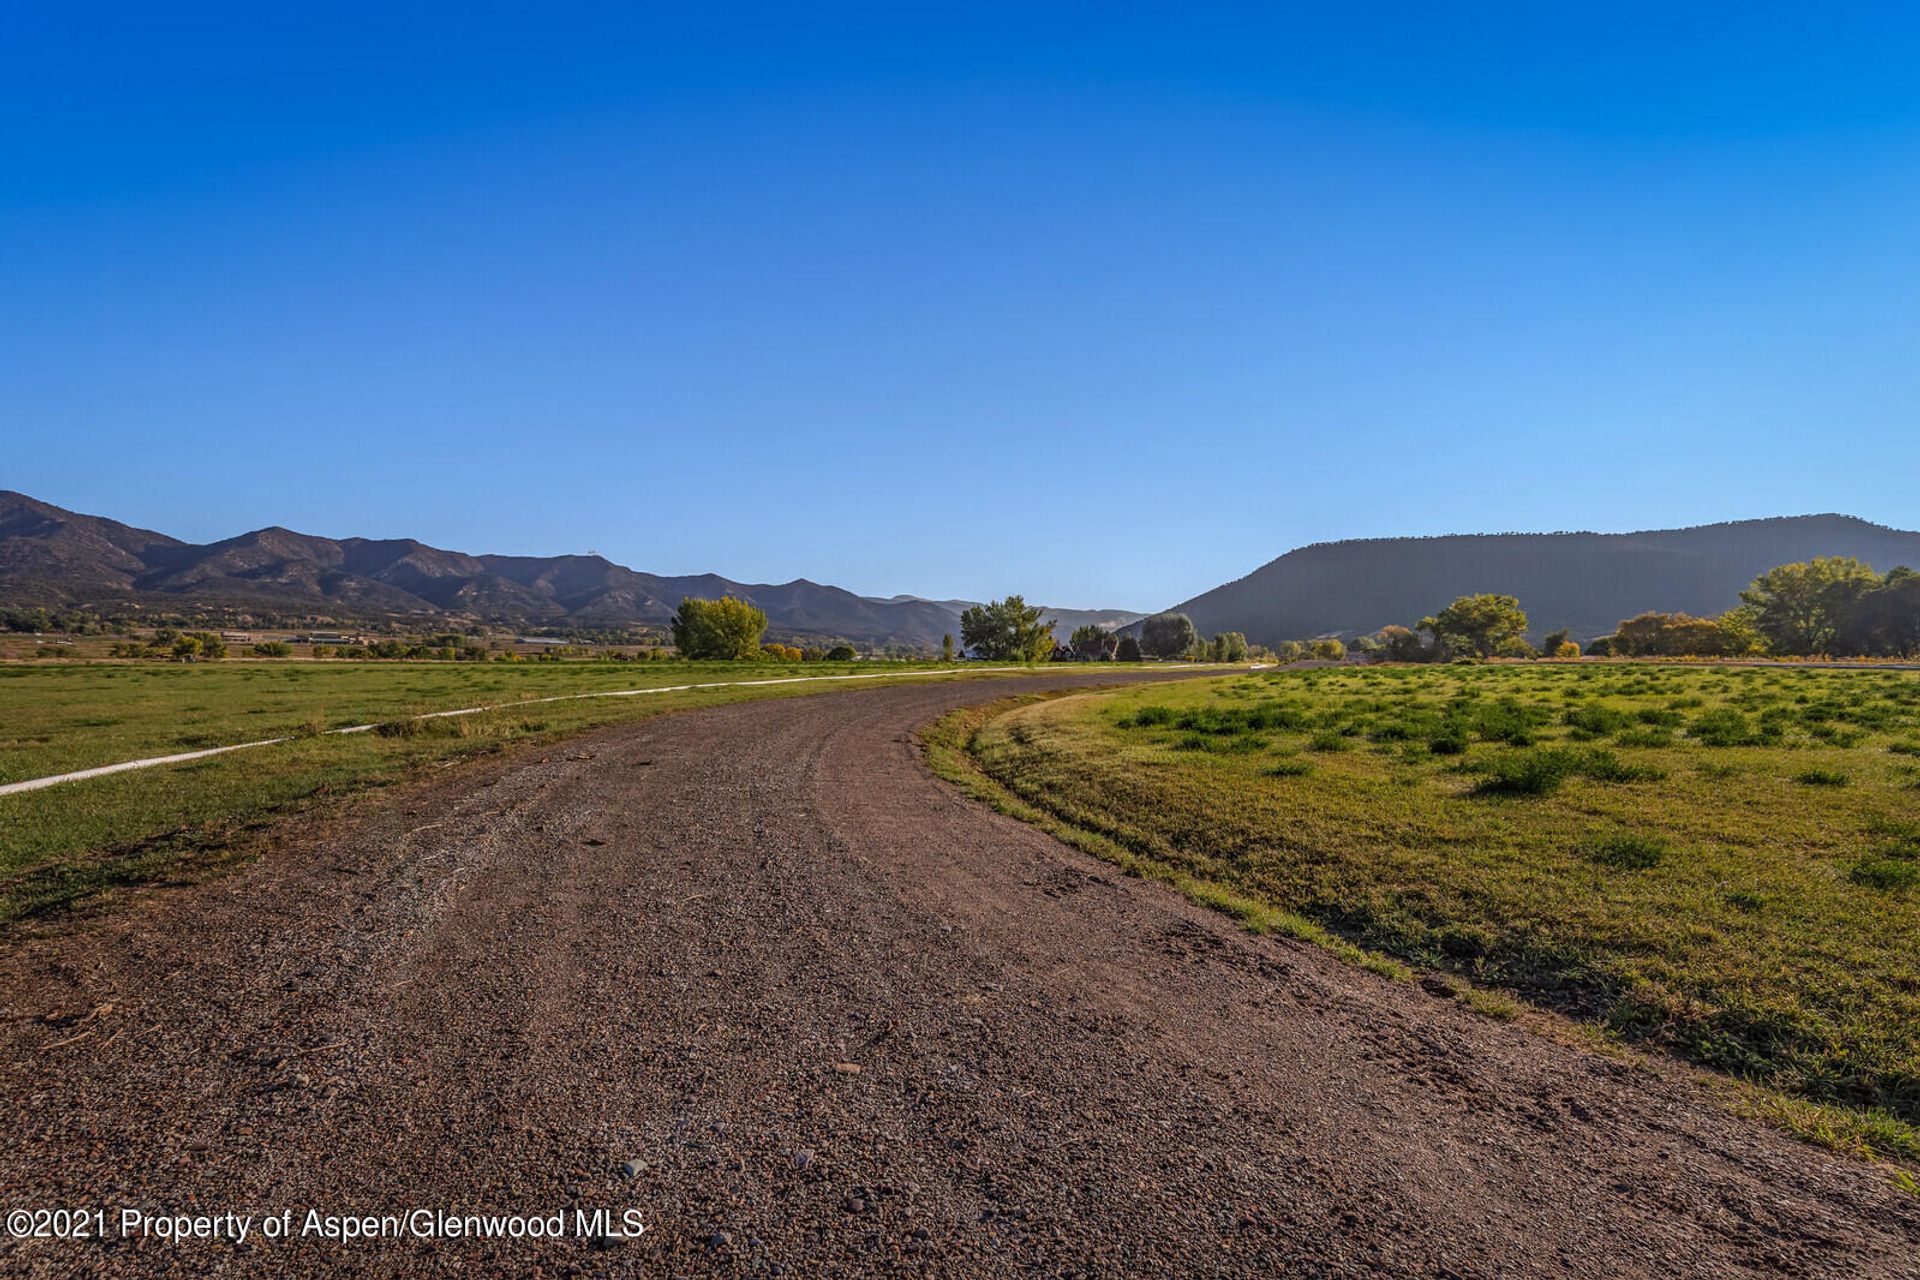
[{"x": 754, "y": 973}]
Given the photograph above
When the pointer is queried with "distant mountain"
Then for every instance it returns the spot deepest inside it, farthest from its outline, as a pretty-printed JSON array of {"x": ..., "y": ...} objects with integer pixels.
[
  {"x": 54, "y": 557},
  {"x": 1584, "y": 581}
]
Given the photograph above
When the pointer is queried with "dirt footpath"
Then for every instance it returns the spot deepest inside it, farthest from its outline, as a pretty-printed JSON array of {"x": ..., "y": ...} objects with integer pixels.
[{"x": 753, "y": 973}]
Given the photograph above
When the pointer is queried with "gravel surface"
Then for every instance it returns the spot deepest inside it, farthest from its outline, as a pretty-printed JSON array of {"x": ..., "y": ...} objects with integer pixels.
[{"x": 754, "y": 973}]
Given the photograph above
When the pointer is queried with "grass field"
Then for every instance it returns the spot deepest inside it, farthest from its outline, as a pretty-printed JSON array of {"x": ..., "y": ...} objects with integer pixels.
[
  {"x": 1722, "y": 862},
  {"x": 69, "y": 842}
]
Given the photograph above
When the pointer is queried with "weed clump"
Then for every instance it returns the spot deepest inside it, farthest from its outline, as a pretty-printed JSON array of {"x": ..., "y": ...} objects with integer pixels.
[
  {"x": 1541, "y": 770},
  {"x": 1628, "y": 852}
]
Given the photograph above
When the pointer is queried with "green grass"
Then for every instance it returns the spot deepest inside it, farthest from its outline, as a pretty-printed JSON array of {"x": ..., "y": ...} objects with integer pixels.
[
  {"x": 1660, "y": 852},
  {"x": 54, "y": 719},
  {"x": 68, "y": 843}
]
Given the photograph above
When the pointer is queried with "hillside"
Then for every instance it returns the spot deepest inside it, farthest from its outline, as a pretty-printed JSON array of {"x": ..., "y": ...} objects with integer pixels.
[
  {"x": 54, "y": 557},
  {"x": 1584, "y": 581}
]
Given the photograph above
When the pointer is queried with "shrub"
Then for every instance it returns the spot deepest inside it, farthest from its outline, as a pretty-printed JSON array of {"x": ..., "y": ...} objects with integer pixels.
[
  {"x": 1645, "y": 738},
  {"x": 1537, "y": 772},
  {"x": 1508, "y": 721},
  {"x": 1290, "y": 769},
  {"x": 1541, "y": 770},
  {"x": 841, "y": 653},
  {"x": 1601, "y": 721},
  {"x": 1604, "y": 766},
  {"x": 1152, "y": 717},
  {"x": 1821, "y": 778},
  {"x": 1723, "y": 727}
]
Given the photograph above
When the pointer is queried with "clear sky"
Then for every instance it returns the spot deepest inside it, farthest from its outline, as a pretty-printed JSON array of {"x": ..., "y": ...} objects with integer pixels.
[{"x": 1103, "y": 303}]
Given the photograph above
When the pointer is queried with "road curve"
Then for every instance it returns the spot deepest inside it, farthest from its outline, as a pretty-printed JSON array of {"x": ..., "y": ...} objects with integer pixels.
[{"x": 753, "y": 972}]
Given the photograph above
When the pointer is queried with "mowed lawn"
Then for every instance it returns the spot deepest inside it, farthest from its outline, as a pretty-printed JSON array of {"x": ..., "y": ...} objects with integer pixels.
[
  {"x": 1722, "y": 861},
  {"x": 69, "y": 842}
]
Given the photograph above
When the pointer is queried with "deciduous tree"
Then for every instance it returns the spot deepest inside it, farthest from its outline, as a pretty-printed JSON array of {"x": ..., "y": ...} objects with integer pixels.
[
  {"x": 1091, "y": 643},
  {"x": 1007, "y": 631},
  {"x": 1484, "y": 625},
  {"x": 1167, "y": 635},
  {"x": 1801, "y": 608},
  {"x": 725, "y": 629}
]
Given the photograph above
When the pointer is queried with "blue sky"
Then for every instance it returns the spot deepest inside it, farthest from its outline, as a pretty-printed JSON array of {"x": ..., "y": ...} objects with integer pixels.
[{"x": 1102, "y": 303}]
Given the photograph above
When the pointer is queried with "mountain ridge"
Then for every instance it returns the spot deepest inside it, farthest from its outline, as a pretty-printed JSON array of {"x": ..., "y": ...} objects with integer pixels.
[
  {"x": 1582, "y": 580},
  {"x": 56, "y": 557}
]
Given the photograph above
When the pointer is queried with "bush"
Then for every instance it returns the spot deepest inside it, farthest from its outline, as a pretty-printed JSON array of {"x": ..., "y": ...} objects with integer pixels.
[
  {"x": 272, "y": 649},
  {"x": 1329, "y": 650},
  {"x": 1723, "y": 727},
  {"x": 1604, "y": 766},
  {"x": 1508, "y": 720},
  {"x": 1129, "y": 650},
  {"x": 1821, "y": 778},
  {"x": 1541, "y": 770},
  {"x": 1602, "y": 721},
  {"x": 841, "y": 653},
  {"x": 1528, "y": 773},
  {"x": 1645, "y": 738}
]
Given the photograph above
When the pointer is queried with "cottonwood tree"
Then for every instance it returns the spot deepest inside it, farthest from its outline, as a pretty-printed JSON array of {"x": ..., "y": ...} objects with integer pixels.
[
  {"x": 1801, "y": 608},
  {"x": 1228, "y": 646},
  {"x": 1007, "y": 631},
  {"x": 1091, "y": 643},
  {"x": 1167, "y": 635},
  {"x": 1484, "y": 625},
  {"x": 725, "y": 629}
]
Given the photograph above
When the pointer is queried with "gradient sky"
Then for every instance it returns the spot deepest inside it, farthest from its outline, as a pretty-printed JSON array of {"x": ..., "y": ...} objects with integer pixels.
[{"x": 1102, "y": 303}]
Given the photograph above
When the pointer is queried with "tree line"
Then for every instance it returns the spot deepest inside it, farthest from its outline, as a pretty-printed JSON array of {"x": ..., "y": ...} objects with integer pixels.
[{"x": 1831, "y": 606}]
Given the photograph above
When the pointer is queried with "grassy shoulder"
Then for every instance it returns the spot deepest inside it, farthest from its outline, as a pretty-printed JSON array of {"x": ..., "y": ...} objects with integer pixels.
[
  {"x": 1723, "y": 863},
  {"x": 71, "y": 843},
  {"x": 55, "y": 718}
]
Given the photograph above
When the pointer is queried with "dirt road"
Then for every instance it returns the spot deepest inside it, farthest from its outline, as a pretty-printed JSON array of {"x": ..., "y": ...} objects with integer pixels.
[{"x": 754, "y": 973}]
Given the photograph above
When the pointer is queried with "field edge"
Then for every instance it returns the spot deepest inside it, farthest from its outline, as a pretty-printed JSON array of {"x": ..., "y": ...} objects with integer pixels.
[{"x": 947, "y": 747}]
